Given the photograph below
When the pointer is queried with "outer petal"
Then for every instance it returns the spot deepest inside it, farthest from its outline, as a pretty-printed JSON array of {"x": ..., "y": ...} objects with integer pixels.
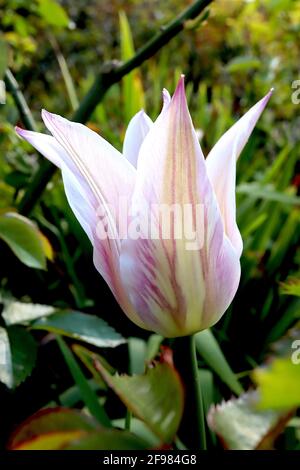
[
  {"x": 109, "y": 176},
  {"x": 221, "y": 168},
  {"x": 85, "y": 204},
  {"x": 166, "y": 97},
  {"x": 45, "y": 144},
  {"x": 137, "y": 130},
  {"x": 177, "y": 290}
]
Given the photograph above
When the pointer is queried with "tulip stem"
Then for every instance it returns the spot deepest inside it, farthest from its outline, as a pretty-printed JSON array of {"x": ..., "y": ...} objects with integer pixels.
[{"x": 192, "y": 431}]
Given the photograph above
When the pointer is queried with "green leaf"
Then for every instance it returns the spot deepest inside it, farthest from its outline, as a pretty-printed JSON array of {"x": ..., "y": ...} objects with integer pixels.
[
  {"x": 17, "y": 355},
  {"x": 132, "y": 85},
  {"x": 6, "y": 368},
  {"x": 23, "y": 352},
  {"x": 137, "y": 355},
  {"x": 72, "y": 396},
  {"x": 153, "y": 346},
  {"x": 53, "y": 13},
  {"x": 51, "y": 428},
  {"x": 243, "y": 64},
  {"x": 279, "y": 384},
  {"x": 140, "y": 429},
  {"x": 240, "y": 426},
  {"x": 267, "y": 193},
  {"x": 20, "y": 312},
  {"x": 155, "y": 397},
  {"x": 207, "y": 389},
  {"x": 291, "y": 287},
  {"x": 88, "y": 395},
  {"x": 111, "y": 439},
  {"x": 208, "y": 347},
  {"x": 62, "y": 428},
  {"x": 3, "y": 58},
  {"x": 80, "y": 326},
  {"x": 88, "y": 357},
  {"x": 24, "y": 240},
  {"x": 206, "y": 384}
]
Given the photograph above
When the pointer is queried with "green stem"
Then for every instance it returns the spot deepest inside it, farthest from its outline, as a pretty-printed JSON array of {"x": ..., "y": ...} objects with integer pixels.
[
  {"x": 113, "y": 75},
  {"x": 13, "y": 87},
  {"x": 108, "y": 76},
  {"x": 192, "y": 431}
]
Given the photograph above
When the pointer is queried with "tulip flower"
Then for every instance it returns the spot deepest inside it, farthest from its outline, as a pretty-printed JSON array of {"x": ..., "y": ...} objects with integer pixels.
[{"x": 161, "y": 284}]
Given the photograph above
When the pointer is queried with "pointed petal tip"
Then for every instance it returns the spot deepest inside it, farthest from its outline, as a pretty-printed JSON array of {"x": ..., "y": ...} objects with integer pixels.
[
  {"x": 179, "y": 93},
  {"x": 24, "y": 133},
  {"x": 45, "y": 114},
  {"x": 266, "y": 98},
  {"x": 19, "y": 130},
  {"x": 166, "y": 97},
  {"x": 181, "y": 81},
  {"x": 165, "y": 94}
]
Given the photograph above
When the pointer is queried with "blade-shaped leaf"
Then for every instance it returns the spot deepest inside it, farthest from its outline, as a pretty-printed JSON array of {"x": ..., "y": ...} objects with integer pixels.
[
  {"x": 137, "y": 355},
  {"x": 208, "y": 347},
  {"x": 132, "y": 84},
  {"x": 81, "y": 326},
  {"x": 140, "y": 429},
  {"x": 153, "y": 346},
  {"x": 155, "y": 397},
  {"x": 268, "y": 193},
  {"x": 3, "y": 58},
  {"x": 89, "y": 397},
  {"x": 88, "y": 357}
]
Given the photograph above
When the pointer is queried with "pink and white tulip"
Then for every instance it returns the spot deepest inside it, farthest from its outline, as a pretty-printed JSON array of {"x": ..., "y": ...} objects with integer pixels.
[{"x": 160, "y": 284}]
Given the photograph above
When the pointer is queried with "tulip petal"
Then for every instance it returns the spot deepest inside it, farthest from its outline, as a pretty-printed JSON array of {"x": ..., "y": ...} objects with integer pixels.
[
  {"x": 177, "y": 290},
  {"x": 108, "y": 174},
  {"x": 85, "y": 204},
  {"x": 221, "y": 168},
  {"x": 166, "y": 97},
  {"x": 45, "y": 144},
  {"x": 137, "y": 130}
]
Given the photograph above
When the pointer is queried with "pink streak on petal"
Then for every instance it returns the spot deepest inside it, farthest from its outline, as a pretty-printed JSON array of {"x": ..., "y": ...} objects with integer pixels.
[{"x": 179, "y": 289}]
